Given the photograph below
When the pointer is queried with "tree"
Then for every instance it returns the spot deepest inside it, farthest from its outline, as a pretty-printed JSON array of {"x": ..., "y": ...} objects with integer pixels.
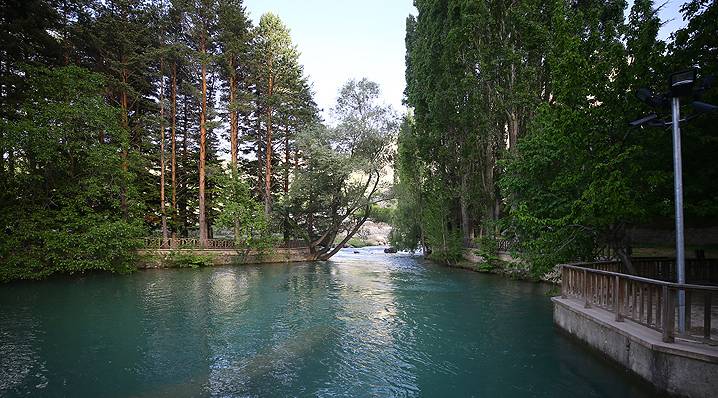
[
  {"x": 408, "y": 230},
  {"x": 63, "y": 214},
  {"x": 276, "y": 69},
  {"x": 233, "y": 38},
  {"x": 342, "y": 178},
  {"x": 203, "y": 31},
  {"x": 696, "y": 45},
  {"x": 577, "y": 180},
  {"x": 118, "y": 43},
  {"x": 242, "y": 213}
]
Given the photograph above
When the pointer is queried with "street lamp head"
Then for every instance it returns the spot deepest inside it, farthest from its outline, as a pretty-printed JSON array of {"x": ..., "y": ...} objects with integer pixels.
[
  {"x": 644, "y": 95},
  {"x": 704, "y": 107},
  {"x": 651, "y": 99},
  {"x": 681, "y": 83},
  {"x": 644, "y": 120}
]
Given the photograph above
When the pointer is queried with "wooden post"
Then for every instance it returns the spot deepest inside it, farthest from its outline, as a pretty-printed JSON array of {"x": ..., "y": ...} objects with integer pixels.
[
  {"x": 668, "y": 316},
  {"x": 659, "y": 308},
  {"x": 649, "y": 320},
  {"x": 707, "y": 315},
  {"x": 585, "y": 288},
  {"x": 617, "y": 298},
  {"x": 634, "y": 299},
  {"x": 639, "y": 295},
  {"x": 688, "y": 311},
  {"x": 564, "y": 281}
]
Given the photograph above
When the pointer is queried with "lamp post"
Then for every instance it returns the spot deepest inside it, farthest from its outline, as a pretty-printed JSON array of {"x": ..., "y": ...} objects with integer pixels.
[{"x": 681, "y": 84}]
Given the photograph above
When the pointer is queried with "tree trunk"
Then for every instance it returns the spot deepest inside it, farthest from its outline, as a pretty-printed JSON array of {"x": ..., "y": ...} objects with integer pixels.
[
  {"x": 464, "y": 203},
  {"x": 513, "y": 131},
  {"x": 203, "y": 152},
  {"x": 268, "y": 155},
  {"x": 165, "y": 234},
  {"x": 287, "y": 160},
  {"x": 185, "y": 153},
  {"x": 489, "y": 186},
  {"x": 625, "y": 260},
  {"x": 174, "y": 148},
  {"x": 233, "y": 116},
  {"x": 350, "y": 234},
  {"x": 124, "y": 105},
  {"x": 260, "y": 162}
]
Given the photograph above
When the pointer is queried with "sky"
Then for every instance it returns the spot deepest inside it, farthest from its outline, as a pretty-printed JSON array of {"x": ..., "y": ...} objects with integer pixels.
[
  {"x": 349, "y": 39},
  {"x": 342, "y": 39}
]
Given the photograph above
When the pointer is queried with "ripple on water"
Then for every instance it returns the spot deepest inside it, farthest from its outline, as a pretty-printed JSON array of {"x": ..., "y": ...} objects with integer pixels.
[{"x": 367, "y": 324}]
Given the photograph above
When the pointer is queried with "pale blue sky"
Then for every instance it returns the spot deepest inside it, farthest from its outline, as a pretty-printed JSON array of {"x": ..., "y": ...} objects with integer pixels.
[{"x": 343, "y": 39}]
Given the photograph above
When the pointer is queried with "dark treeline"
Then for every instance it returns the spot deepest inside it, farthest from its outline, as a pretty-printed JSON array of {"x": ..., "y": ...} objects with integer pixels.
[
  {"x": 520, "y": 126},
  {"x": 115, "y": 115}
]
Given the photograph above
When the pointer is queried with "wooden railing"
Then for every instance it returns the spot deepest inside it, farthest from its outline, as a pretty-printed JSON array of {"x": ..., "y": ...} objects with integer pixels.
[
  {"x": 210, "y": 244},
  {"x": 502, "y": 244},
  {"x": 649, "y": 302},
  {"x": 505, "y": 245},
  {"x": 698, "y": 271},
  {"x": 188, "y": 243}
]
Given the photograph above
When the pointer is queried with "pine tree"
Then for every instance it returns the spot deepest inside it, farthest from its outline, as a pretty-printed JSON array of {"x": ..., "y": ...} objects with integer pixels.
[
  {"x": 276, "y": 67},
  {"x": 203, "y": 32},
  {"x": 233, "y": 39}
]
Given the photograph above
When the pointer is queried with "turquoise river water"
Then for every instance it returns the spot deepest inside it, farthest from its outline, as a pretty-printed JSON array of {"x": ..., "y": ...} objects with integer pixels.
[{"x": 367, "y": 324}]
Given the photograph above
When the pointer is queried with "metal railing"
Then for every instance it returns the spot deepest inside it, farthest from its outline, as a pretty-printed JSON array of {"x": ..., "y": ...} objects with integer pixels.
[
  {"x": 209, "y": 244},
  {"x": 649, "y": 302}
]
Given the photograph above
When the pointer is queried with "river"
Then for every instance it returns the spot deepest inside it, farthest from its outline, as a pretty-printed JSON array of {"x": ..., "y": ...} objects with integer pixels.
[{"x": 366, "y": 324}]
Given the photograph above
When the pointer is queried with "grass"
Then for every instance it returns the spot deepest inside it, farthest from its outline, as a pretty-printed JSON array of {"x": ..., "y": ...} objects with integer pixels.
[{"x": 356, "y": 242}]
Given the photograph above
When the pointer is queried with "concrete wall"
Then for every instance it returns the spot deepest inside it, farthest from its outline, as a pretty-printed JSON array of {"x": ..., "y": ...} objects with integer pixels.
[
  {"x": 668, "y": 367},
  {"x": 163, "y": 258}
]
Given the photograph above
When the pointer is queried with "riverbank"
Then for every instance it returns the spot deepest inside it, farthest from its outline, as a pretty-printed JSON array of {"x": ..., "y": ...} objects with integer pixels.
[
  {"x": 504, "y": 264},
  {"x": 196, "y": 258}
]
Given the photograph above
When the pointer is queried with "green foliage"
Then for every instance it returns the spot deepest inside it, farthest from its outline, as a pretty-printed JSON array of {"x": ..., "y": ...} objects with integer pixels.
[
  {"x": 60, "y": 202},
  {"x": 406, "y": 233},
  {"x": 77, "y": 158},
  {"x": 188, "y": 259},
  {"x": 521, "y": 117},
  {"x": 356, "y": 242},
  {"x": 488, "y": 248},
  {"x": 381, "y": 214},
  {"x": 243, "y": 214},
  {"x": 446, "y": 243},
  {"x": 342, "y": 178},
  {"x": 577, "y": 178}
]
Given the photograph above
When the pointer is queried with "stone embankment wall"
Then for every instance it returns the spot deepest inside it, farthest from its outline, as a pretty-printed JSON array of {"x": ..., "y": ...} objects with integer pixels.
[
  {"x": 681, "y": 368},
  {"x": 506, "y": 265},
  {"x": 166, "y": 258}
]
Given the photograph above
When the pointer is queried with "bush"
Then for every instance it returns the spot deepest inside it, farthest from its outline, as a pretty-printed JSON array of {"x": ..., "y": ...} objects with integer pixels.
[
  {"x": 381, "y": 214},
  {"x": 182, "y": 259}
]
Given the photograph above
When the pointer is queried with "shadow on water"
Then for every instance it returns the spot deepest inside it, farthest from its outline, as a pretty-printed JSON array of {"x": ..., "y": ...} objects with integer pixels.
[{"x": 363, "y": 324}]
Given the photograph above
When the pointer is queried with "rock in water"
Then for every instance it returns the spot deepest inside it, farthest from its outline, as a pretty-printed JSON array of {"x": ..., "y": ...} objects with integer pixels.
[{"x": 390, "y": 250}]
